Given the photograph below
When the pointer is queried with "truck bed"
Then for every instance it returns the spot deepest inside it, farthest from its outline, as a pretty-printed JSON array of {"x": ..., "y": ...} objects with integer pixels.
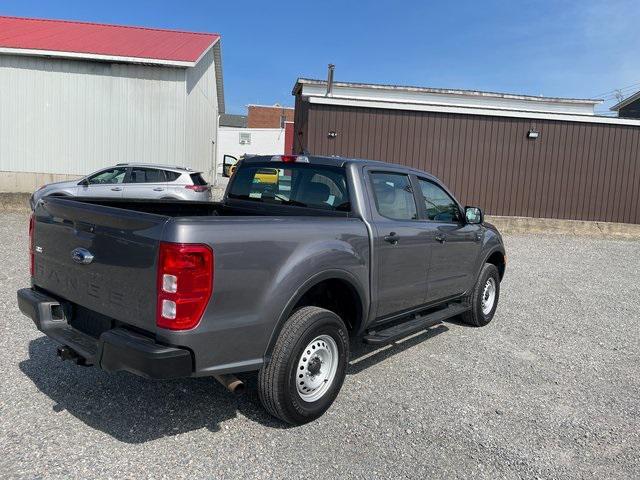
[{"x": 263, "y": 255}]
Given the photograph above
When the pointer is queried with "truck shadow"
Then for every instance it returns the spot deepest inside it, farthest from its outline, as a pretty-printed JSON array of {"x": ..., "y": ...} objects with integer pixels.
[
  {"x": 135, "y": 410},
  {"x": 364, "y": 356}
]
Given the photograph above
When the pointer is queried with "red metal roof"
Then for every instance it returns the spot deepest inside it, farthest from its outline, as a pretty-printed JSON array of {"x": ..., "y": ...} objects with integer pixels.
[{"x": 100, "y": 39}]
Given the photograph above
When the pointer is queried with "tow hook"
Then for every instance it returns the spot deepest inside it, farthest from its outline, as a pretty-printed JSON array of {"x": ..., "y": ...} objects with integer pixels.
[{"x": 67, "y": 353}]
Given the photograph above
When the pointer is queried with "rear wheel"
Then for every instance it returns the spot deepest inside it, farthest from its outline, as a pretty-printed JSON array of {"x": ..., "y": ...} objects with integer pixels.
[
  {"x": 484, "y": 298},
  {"x": 307, "y": 367}
]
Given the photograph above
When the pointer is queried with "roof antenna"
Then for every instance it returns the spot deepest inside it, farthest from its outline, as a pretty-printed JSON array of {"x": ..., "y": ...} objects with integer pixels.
[{"x": 332, "y": 67}]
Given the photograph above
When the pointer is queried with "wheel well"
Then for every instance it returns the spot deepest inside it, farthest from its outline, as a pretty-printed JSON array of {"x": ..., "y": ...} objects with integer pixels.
[
  {"x": 497, "y": 259},
  {"x": 336, "y": 295}
]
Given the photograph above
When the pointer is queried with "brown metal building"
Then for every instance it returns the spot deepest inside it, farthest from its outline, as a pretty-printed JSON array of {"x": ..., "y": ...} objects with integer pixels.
[{"x": 511, "y": 155}]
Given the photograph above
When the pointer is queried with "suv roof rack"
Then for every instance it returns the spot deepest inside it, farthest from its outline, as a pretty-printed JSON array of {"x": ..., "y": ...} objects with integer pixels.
[{"x": 175, "y": 167}]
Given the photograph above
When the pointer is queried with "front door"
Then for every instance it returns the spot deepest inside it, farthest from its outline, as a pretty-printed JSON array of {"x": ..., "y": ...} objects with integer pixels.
[
  {"x": 457, "y": 244},
  {"x": 401, "y": 243},
  {"x": 106, "y": 183}
]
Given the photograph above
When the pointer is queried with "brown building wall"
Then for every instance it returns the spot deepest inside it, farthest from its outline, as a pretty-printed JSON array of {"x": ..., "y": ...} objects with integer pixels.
[
  {"x": 268, "y": 117},
  {"x": 579, "y": 171}
]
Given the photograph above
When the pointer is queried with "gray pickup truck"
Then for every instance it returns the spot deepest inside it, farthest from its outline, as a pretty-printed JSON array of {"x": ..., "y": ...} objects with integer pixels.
[{"x": 302, "y": 254}]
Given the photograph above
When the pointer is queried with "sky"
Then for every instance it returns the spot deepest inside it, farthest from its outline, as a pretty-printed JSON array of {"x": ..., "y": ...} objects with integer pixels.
[{"x": 578, "y": 49}]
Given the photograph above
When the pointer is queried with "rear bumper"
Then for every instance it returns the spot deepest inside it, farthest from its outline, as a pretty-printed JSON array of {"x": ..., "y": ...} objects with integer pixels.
[{"x": 115, "y": 350}]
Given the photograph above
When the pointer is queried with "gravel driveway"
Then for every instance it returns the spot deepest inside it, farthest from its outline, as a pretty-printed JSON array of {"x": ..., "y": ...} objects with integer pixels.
[{"x": 550, "y": 389}]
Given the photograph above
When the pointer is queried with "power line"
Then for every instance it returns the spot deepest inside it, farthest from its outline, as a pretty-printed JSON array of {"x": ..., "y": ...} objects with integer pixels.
[{"x": 615, "y": 90}]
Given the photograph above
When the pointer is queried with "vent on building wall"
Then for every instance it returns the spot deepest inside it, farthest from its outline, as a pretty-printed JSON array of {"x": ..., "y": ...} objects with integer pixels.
[{"x": 245, "y": 138}]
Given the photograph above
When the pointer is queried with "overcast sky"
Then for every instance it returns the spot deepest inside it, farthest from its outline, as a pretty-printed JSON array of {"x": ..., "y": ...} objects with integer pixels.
[{"x": 558, "y": 48}]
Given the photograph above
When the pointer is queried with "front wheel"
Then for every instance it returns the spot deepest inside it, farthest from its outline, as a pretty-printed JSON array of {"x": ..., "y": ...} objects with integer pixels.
[
  {"x": 484, "y": 297},
  {"x": 307, "y": 366}
]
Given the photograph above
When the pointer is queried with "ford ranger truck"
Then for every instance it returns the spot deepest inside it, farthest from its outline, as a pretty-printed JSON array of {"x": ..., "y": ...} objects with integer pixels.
[{"x": 274, "y": 279}]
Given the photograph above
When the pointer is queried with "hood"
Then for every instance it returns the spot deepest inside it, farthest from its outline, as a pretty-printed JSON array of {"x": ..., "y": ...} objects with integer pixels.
[{"x": 62, "y": 184}]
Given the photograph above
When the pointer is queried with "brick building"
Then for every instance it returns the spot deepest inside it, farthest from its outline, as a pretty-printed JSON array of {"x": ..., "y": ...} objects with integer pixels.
[{"x": 265, "y": 116}]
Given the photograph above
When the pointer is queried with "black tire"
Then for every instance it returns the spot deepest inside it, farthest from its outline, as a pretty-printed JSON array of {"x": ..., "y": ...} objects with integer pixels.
[
  {"x": 277, "y": 381},
  {"x": 476, "y": 317}
]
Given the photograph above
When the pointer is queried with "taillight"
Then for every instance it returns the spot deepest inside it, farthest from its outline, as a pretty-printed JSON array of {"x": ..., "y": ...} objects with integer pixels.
[
  {"x": 32, "y": 258},
  {"x": 185, "y": 284},
  {"x": 290, "y": 158},
  {"x": 197, "y": 188}
]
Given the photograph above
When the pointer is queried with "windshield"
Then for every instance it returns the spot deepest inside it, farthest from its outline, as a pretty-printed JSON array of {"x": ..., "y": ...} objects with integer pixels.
[{"x": 301, "y": 185}]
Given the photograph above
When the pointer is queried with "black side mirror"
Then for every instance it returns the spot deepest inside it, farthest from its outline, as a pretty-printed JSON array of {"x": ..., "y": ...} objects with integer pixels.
[
  {"x": 84, "y": 182},
  {"x": 473, "y": 215}
]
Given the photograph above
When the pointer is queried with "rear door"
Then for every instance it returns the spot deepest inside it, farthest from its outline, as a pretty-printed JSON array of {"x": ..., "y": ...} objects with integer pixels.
[
  {"x": 401, "y": 242},
  {"x": 106, "y": 183},
  {"x": 143, "y": 182},
  {"x": 120, "y": 280},
  {"x": 457, "y": 244}
]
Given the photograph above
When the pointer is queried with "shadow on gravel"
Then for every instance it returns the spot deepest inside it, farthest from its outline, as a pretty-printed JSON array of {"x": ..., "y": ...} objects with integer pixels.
[
  {"x": 364, "y": 356},
  {"x": 133, "y": 409}
]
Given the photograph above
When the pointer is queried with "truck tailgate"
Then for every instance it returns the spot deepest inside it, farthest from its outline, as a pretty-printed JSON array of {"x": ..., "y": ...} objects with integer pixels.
[{"x": 120, "y": 280}]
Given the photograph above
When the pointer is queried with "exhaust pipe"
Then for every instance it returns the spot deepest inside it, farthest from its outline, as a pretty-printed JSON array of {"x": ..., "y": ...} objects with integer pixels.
[
  {"x": 332, "y": 67},
  {"x": 231, "y": 383}
]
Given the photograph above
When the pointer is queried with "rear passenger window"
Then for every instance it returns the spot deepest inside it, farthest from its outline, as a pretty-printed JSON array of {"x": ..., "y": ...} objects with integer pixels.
[
  {"x": 439, "y": 205},
  {"x": 197, "y": 179},
  {"x": 394, "y": 196},
  {"x": 171, "y": 176},
  {"x": 147, "y": 175}
]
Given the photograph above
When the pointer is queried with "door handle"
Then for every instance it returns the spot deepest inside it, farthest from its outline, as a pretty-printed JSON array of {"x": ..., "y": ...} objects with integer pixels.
[
  {"x": 440, "y": 238},
  {"x": 392, "y": 238},
  {"x": 116, "y": 189},
  {"x": 158, "y": 189}
]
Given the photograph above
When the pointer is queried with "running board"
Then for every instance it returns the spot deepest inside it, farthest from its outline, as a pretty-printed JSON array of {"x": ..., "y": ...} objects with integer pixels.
[{"x": 404, "y": 329}]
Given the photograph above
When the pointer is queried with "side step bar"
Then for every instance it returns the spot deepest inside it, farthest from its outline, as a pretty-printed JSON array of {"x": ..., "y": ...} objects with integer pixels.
[{"x": 404, "y": 329}]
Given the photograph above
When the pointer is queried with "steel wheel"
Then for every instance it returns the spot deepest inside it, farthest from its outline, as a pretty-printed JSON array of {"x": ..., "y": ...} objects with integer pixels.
[
  {"x": 317, "y": 368},
  {"x": 488, "y": 296}
]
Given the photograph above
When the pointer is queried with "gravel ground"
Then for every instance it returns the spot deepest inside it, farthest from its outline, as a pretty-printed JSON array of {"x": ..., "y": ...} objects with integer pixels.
[{"x": 550, "y": 389}]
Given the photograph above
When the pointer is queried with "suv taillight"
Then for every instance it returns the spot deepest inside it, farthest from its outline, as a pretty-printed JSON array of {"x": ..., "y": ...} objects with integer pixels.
[
  {"x": 32, "y": 258},
  {"x": 197, "y": 188},
  {"x": 185, "y": 284}
]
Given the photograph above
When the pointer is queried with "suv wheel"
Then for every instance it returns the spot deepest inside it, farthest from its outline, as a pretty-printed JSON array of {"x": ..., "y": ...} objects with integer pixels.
[
  {"x": 484, "y": 298},
  {"x": 307, "y": 366}
]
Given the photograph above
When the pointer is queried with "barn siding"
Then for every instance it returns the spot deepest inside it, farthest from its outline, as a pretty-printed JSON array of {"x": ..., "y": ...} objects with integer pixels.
[
  {"x": 72, "y": 117},
  {"x": 581, "y": 171}
]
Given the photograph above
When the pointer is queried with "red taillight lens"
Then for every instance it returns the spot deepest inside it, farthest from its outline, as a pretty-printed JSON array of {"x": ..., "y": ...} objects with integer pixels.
[
  {"x": 185, "y": 284},
  {"x": 32, "y": 258},
  {"x": 197, "y": 188},
  {"x": 288, "y": 158}
]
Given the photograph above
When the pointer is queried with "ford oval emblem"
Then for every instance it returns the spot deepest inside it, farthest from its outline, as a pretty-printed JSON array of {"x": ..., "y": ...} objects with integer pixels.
[{"x": 82, "y": 256}]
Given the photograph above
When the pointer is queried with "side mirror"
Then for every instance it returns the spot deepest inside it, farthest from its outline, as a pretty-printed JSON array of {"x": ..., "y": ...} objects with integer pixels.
[
  {"x": 84, "y": 182},
  {"x": 473, "y": 215},
  {"x": 227, "y": 162}
]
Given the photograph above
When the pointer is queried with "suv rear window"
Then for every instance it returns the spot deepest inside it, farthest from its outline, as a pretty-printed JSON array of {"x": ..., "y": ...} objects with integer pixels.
[
  {"x": 171, "y": 175},
  {"x": 197, "y": 179},
  {"x": 298, "y": 184}
]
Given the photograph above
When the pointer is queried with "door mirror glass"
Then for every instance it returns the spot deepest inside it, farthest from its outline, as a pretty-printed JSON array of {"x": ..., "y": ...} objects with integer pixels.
[
  {"x": 228, "y": 161},
  {"x": 473, "y": 215}
]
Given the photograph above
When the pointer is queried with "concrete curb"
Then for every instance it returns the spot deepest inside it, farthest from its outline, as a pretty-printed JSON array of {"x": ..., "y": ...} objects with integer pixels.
[{"x": 516, "y": 225}]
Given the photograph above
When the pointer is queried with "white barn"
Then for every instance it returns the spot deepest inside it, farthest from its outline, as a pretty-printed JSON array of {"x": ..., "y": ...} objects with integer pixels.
[{"x": 75, "y": 97}]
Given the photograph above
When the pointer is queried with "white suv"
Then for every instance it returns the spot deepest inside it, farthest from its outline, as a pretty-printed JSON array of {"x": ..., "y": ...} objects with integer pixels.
[{"x": 133, "y": 180}]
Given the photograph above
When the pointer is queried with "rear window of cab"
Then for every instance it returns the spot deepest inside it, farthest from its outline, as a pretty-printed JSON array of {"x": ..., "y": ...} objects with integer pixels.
[{"x": 294, "y": 184}]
